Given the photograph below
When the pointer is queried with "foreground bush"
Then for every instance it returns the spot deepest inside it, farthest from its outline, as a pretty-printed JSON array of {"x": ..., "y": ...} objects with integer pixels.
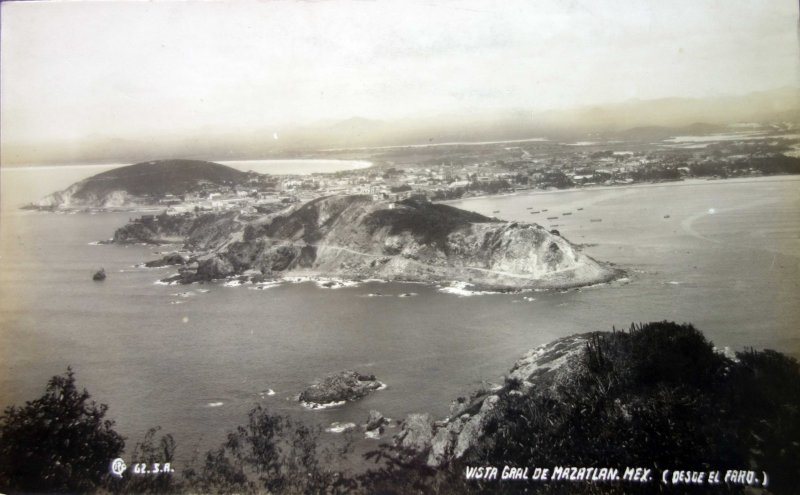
[
  {"x": 657, "y": 396},
  {"x": 57, "y": 443},
  {"x": 271, "y": 454}
]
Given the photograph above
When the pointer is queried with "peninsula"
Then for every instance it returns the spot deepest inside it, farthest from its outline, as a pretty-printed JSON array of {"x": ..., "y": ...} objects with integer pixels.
[
  {"x": 154, "y": 183},
  {"x": 358, "y": 237}
]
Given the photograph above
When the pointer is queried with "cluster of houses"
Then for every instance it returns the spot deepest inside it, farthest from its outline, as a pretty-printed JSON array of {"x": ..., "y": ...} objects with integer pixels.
[{"x": 393, "y": 182}]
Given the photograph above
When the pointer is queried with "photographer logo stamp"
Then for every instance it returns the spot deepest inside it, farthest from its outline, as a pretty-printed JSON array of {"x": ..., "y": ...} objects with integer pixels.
[{"x": 118, "y": 467}]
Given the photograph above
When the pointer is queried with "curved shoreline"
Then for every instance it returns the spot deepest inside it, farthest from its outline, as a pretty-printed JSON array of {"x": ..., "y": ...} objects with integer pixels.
[
  {"x": 73, "y": 173},
  {"x": 454, "y": 287},
  {"x": 684, "y": 183}
]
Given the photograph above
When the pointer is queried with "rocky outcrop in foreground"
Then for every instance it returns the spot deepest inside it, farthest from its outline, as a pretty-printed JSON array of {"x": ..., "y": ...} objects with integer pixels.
[
  {"x": 375, "y": 421},
  {"x": 541, "y": 369},
  {"x": 339, "y": 387},
  {"x": 356, "y": 237}
]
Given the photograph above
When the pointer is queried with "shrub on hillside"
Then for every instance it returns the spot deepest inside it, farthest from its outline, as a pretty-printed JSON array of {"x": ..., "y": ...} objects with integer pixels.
[
  {"x": 270, "y": 454},
  {"x": 657, "y": 396},
  {"x": 60, "y": 442}
]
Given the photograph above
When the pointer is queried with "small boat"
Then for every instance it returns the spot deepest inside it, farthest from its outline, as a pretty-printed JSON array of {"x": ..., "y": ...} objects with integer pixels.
[
  {"x": 567, "y": 213},
  {"x": 552, "y": 218},
  {"x": 579, "y": 209},
  {"x": 666, "y": 216},
  {"x": 596, "y": 220},
  {"x": 496, "y": 211}
]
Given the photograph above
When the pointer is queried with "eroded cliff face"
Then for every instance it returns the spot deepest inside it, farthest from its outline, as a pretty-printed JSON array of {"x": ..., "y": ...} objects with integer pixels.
[
  {"x": 412, "y": 240},
  {"x": 207, "y": 231},
  {"x": 541, "y": 370},
  {"x": 74, "y": 197}
]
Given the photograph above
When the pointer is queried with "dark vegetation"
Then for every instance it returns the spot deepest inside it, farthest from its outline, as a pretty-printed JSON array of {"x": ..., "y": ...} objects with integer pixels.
[
  {"x": 429, "y": 223},
  {"x": 400, "y": 188},
  {"x": 196, "y": 229},
  {"x": 161, "y": 177},
  {"x": 766, "y": 165},
  {"x": 661, "y": 173},
  {"x": 474, "y": 187},
  {"x": 270, "y": 454},
  {"x": 657, "y": 396},
  {"x": 60, "y": 442},
  {"x": 761, "y": 164},
  {"x": 305, "y": 219}
]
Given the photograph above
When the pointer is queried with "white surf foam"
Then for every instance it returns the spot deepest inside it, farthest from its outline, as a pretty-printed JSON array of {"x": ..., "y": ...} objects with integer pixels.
[
  {"x": 327, "y": 405},
  {"x": 462, "y": 289},
  {"x": 337, "y": 427}
]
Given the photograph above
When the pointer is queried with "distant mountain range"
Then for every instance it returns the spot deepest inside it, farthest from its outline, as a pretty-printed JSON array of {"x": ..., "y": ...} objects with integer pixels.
[
  {"x": 126, "y": 185},
  {"x": 780, "y": 105},
  {"x": 762, "y": 107}
]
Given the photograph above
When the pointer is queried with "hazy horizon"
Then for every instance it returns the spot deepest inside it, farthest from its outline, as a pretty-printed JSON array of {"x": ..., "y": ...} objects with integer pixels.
[{"x": 84, "y": 81}]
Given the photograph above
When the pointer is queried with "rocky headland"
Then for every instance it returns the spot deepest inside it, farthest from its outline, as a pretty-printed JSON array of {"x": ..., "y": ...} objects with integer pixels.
[
  {"x": 657, "y": 395},
  {"x": 196, "y": 232},
  {"x": 139, "y": 185},
  {"x": 542, "y": 370},
  {"x": 357, "y": 238}
]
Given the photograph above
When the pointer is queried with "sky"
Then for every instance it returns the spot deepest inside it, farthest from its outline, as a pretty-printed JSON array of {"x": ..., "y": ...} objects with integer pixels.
[{"x": 73, "y": 70}]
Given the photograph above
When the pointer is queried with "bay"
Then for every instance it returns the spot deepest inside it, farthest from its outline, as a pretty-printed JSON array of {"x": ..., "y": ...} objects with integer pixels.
[{"x": 724, "y": 255}]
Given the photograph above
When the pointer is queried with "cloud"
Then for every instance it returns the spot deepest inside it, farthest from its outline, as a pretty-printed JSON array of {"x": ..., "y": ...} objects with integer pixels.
[{"x": 124, "y": 69}]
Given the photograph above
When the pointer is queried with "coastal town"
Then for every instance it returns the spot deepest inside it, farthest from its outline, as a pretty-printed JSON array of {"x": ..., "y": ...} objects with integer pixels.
[
  {"x": 468, "y": 171},
  {"x": 407, "y": 248}
]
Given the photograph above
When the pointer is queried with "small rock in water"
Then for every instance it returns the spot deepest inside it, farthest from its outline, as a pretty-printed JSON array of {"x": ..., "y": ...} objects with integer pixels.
[
  {"x": 99, "y": 275},
  {"x": 337, "y": 387},
  {"x": 375, "y": 421}
]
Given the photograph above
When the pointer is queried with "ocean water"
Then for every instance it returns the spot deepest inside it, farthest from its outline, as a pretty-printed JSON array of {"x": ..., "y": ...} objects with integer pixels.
[
  {"x": 25, "y": 184},
  {"x": 724, "y": 255}
]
